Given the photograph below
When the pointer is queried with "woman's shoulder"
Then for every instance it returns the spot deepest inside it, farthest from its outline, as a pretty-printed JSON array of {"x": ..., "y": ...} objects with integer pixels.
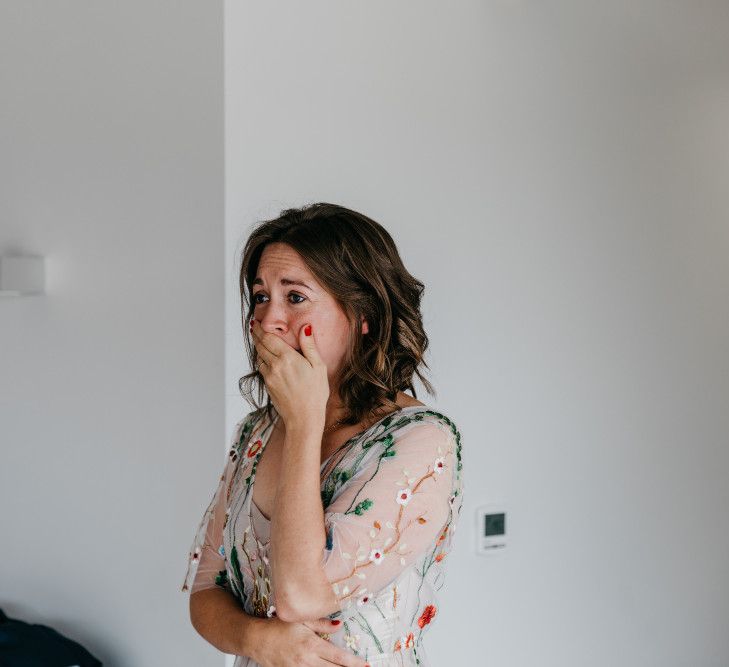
[{"x": 410, "y": 416}]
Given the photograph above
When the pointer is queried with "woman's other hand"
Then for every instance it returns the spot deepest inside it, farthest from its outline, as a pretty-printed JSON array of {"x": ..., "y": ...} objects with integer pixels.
[{"x": 283, "y": 644}]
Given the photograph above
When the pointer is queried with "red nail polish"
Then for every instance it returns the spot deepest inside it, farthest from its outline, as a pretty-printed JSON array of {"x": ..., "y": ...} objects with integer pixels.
[
  {"x": 307, "y": 330},
  {"x": 337, "y": 622}
]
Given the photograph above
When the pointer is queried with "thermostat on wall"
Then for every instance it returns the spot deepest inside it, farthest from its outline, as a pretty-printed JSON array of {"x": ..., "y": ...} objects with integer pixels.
[{"x": 490, "y": 529}]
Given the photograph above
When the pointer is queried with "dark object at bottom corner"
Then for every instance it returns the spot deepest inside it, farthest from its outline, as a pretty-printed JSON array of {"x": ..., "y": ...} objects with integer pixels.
[{"x": 31, "y": 645}]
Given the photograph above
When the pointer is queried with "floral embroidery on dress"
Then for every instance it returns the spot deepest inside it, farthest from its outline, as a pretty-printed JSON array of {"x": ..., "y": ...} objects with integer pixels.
[{"x": 392, "y": 496}]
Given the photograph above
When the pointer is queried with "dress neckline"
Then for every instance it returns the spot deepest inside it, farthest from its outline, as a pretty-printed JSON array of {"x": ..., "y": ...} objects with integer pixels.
[{"x": 272, "y": 423}]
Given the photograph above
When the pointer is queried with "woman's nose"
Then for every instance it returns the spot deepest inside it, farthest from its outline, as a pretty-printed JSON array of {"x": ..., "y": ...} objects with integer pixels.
[{"x": 273, "y": 320}]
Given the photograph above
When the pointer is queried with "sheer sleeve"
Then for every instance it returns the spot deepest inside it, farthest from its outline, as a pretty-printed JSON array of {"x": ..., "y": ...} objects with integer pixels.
[
  {"x": 206, "y": 567},
  {"x": 396, "y": 507}
]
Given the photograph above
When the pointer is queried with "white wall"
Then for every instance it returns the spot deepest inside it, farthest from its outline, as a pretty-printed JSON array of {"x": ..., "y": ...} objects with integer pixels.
[
  {"x": 556, "y": 174},
  {"x": 111, "y": 385},
  {"x": 557, "y": 177}
]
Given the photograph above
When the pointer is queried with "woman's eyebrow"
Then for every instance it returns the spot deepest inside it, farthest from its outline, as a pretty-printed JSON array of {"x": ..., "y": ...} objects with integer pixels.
[{"x": 285, "y": 281}]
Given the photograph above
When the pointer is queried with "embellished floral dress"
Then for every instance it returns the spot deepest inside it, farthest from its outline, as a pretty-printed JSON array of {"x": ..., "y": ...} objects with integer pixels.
[{"x": 391, "y": 494}]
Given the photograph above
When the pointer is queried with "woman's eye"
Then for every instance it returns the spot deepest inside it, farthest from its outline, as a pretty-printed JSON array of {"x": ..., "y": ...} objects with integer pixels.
[{"x": 257, "y": 294}]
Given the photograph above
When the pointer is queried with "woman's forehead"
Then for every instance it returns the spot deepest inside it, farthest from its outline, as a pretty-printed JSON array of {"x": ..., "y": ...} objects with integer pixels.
[{"x": 280, "y": 262}]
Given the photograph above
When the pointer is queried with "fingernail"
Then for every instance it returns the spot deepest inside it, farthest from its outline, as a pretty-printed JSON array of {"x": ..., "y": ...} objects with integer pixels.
[
  {"x": 337, "y": 622},
  {"x": 307, "y": 330}
]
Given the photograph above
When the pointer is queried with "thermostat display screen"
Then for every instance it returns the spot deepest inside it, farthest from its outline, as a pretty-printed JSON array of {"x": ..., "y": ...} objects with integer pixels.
[{"x": 494, "y": 524}]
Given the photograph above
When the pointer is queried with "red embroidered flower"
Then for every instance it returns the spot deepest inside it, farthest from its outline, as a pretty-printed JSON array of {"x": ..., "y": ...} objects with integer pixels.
[
  {"x": 427, "y": 616},
  {"x": 253, "y": 449},
  {"x": 409, "y": 641}
]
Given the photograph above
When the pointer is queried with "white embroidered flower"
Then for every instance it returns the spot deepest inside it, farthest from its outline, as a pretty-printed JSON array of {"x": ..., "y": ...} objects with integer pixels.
[
  {"x": 403, "y": 496},
  {"x": 438, "y": 465},
  {"x": 376, "y": 556},
  {"x": 352, "y": 641},
  {"x": 271, "y": 611}
]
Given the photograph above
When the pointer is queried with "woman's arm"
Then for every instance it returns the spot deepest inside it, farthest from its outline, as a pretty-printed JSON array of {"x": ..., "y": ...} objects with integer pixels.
[
  {"x": 397, "y": 508},
  {"x": 298, "y": 534},
  {"x": 218, "y": 618}
]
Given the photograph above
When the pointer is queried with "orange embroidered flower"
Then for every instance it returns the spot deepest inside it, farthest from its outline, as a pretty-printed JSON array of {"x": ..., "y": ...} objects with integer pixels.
[
  {"x": 439, "y": 557},
  {"x": 398, "y": 646},
  {"x": 427, "y": 615},
  {"x": 409, "y": 640},
  {"x": 442, "y": 536},
  {"x": 253, "y": 449}
]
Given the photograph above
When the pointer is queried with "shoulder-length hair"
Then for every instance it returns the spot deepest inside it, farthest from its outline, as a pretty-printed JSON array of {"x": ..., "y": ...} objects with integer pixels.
[{"x": 357, "y": 262}]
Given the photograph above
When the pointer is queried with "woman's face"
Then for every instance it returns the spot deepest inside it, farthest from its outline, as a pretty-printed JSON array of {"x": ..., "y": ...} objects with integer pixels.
[{"x": 283, "y": 308}]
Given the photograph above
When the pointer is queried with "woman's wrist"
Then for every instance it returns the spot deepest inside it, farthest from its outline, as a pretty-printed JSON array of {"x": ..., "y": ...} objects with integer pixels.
[
  {"x": 251, "y": 636},
  {"x": 305, "y": 431}
]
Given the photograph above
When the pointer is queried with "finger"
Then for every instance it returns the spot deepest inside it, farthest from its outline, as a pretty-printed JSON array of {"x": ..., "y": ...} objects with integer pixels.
[
  {"x": 267, "y": 343},
  {"x": 338, "y": 656},
  {"x": 264, "y": 357},
  {"x": 308, "y": 344},
  {"x": 324, "y": 625}
]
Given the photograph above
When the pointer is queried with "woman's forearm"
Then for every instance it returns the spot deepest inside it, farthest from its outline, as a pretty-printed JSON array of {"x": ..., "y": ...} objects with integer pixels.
[
  {"x": 218, "y": 618},
  {"x": 298, "y": 532}
]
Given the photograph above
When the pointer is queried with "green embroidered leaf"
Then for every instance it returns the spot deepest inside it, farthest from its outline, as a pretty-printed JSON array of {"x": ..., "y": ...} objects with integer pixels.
[
  {"x": 389, "y": 452},
  {"x": 236, "y": 565},
  {"x": 363, "y": 506},
  {"x": 222, "y": 578}
]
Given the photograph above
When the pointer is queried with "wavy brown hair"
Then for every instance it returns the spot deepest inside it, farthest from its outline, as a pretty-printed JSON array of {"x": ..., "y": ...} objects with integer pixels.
[{"x": 357, "y": 262}]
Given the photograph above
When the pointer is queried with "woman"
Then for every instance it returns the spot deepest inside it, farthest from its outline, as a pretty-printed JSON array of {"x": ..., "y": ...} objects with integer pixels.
[{"x": 328, "y": 549}]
